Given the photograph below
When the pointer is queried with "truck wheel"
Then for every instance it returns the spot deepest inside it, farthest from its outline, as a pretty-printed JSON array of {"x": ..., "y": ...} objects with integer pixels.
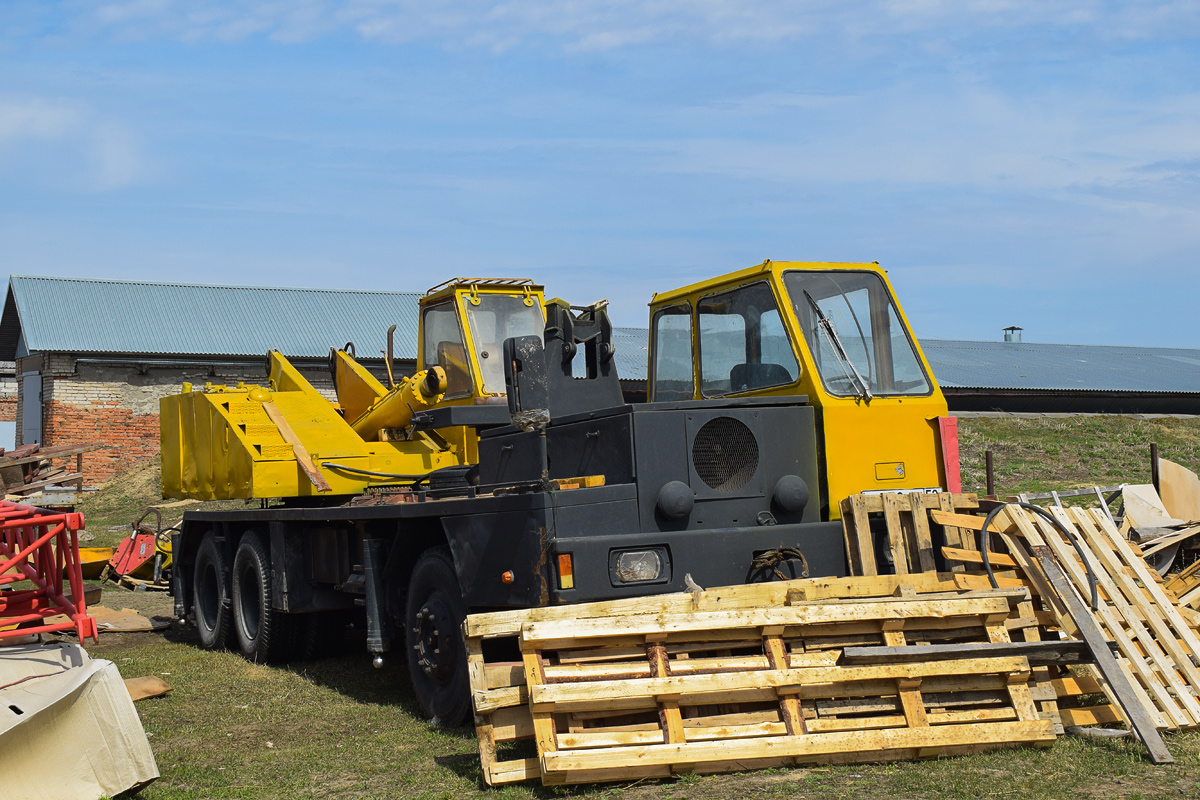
[
  {"x": 262, "y": 633},
  {"x": 210, "y": 594},
  {"x": 437, "y": 658}
]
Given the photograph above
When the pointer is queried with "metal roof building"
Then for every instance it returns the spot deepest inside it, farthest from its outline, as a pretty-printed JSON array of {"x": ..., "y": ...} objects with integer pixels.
[
  {"x": 70, "y": 315},
  {"x": 1024, "y": 376}
]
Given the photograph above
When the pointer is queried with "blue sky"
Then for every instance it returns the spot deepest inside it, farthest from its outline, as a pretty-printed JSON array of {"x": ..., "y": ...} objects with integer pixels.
[{"x": 1027, "y": 163}]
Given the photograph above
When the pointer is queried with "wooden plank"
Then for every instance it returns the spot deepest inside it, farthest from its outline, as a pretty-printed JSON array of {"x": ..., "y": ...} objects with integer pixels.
[
  {"x": 1184, "y": 580},
  {"x": 1168, "y": 540},
  {"x": 977, "y": 582},
  {"x": 874, "y": 501},
  {"x": 924, "y": 541},
  {"x": 789, "y": 704},
  {"x": 863, "y": 539},
  {"x": 1090, "y": 715},
  {"x": 895, "y": 534},
  {"x": 1076, "y": 685},
  {"x": 543, "y": 725},
  {"x": 1038, "y": 653},
  {"x": 972, "y": 523},
  {"x": 970, "y": 735},
  {"x": 668, "y": 708},
  {"x": 55, "y": 481},
  {"x": 309, "y": 467},
  {"x": 975, "y": 557},
  {"x": 955, "y": 536},
  {"x": 503, "y": 772},
  {"x": 51, "y": 452},
  {"x": 567, "y": 631}
]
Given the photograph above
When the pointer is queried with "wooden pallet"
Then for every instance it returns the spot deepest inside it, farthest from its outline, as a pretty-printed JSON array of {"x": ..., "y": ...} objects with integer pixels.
[
  {"x": 750, "y": 676},
  {"x": 909, "y": 534}
]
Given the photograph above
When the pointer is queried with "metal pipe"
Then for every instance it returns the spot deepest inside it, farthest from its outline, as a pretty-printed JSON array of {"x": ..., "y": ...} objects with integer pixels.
[
  {"x": 391, "y": 335},
  {"x": 1154, "y": 466},
  {"x": 991, "y": 475}
]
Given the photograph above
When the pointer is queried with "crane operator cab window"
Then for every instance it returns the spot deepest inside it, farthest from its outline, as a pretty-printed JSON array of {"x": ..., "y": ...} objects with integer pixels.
[
  {"x": 673, "y": 354},
  {"x": 855, "y": 335},
  {"x": 494, "y": 318},
  {"x": 443, "y": 347},
  {"x": 743, "y": 344}
]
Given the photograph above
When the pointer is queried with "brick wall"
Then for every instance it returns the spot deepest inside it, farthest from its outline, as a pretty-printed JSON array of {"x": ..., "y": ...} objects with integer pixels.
[{"x": 117, "y": 404}]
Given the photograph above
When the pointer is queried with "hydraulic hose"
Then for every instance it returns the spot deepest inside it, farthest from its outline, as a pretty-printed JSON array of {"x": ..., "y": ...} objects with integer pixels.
[{"x": 984, "y": 539}]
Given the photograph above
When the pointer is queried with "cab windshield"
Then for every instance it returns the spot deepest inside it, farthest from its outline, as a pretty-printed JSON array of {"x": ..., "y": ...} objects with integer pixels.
[
  {"x": 498, "y": 317},
  {"x": 855, "y": 335}
]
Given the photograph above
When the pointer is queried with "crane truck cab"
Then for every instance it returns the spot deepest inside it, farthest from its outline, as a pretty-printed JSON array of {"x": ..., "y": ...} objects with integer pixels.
[{"x": 831, "y": 331}]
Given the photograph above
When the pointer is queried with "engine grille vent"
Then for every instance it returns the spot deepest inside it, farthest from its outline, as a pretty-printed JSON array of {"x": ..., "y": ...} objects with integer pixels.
[{"x": 725, "y": 454}]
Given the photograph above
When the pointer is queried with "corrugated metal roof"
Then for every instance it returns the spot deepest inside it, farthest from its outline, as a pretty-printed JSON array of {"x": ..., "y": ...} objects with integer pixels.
[
  {"x": 74, "y": 315},
  {"x": 1072, "y": 367},
  {"x": 632, "y": 353}
]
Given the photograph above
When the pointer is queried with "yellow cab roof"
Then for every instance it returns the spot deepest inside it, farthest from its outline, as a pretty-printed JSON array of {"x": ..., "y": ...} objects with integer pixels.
[
  {"x": 447, "y": 288},
  {"x": 765, "y": 267}
]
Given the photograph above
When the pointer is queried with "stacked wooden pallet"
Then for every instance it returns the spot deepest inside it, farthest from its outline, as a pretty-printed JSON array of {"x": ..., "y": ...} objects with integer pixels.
[
  {"x": 30, "y": 468},
  {"x": 785, "y": 673}
]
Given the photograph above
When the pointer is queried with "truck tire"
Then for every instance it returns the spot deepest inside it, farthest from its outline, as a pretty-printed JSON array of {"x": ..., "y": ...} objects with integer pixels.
[
  {"x": 263, "y": 634},
  {"x": 437, "y": 657},
  {"x": 210, "y": 594}
]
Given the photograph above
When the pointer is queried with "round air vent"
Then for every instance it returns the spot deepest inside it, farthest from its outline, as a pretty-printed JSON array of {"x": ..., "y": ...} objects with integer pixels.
[{"x": 725, "y": 454}]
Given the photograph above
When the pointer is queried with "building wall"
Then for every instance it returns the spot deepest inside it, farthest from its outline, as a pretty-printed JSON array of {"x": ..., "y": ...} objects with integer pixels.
[{"x": 116, "y": 404}]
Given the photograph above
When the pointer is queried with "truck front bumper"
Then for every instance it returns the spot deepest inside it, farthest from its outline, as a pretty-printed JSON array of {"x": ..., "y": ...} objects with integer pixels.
[{"x": 717, "y": 557}]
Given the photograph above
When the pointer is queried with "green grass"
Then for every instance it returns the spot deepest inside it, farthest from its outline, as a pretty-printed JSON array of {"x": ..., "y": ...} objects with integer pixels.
[
  {"x": 1040, "y": 454},
  {"x": 339, "y": 728}
]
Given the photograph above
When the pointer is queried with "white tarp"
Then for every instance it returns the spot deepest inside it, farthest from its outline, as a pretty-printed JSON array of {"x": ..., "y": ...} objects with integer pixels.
[{"x": 67, "y": 726}]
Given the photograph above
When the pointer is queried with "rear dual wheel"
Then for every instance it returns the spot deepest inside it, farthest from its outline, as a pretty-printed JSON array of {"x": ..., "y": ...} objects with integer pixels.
[
  {"x": 262, "y": 633},
  {"x": 210, "y": 594},
  {"x": 232, "y": 604}
]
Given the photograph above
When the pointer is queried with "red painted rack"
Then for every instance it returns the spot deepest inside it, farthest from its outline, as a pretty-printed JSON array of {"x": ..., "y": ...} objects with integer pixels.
[{"x": 39, "y": 551}]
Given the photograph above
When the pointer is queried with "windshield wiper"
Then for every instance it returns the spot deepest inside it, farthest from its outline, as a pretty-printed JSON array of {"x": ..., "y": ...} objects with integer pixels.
[{"x": 826, "y": 326}]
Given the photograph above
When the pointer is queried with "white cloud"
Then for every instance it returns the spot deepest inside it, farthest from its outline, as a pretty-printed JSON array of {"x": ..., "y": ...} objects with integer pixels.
[
  {"x": 35, "y": 119},
  {"x": 64, "y": 144}
]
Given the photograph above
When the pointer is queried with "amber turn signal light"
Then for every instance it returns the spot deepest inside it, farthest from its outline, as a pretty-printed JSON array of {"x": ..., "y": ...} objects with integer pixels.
[
  {"x": 566, "y": 572},
  {"x": 507, "y": 576}
]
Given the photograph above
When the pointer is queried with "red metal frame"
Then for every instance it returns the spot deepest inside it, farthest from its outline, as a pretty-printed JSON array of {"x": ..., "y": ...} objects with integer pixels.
[
  {"x": 40, "y": 549},
  {"x": 948, "y": 430}
]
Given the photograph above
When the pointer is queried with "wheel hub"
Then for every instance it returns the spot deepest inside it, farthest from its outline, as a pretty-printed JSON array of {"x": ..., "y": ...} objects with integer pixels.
[{"x": 434, "y": 629}]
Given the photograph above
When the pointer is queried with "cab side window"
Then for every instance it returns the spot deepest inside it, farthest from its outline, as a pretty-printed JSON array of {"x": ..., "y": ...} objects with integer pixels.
[
  {"x": 743, "y": 344},
  {"x": 672, "y": 332},
  {"x": 443, "y": 347}
]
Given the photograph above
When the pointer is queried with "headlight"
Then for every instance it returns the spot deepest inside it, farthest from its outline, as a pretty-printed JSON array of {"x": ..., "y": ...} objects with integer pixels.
[{"x": 638, "y": 566}]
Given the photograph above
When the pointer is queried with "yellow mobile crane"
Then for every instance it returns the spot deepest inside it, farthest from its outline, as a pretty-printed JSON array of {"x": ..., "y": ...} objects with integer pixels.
[
  {"x": 833, "y": 332},
  {"x": 508, "y": 472}
]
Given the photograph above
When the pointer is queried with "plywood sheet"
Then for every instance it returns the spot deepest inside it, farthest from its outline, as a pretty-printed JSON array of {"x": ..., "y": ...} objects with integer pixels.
[{"x": 1180, "y": 489}]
